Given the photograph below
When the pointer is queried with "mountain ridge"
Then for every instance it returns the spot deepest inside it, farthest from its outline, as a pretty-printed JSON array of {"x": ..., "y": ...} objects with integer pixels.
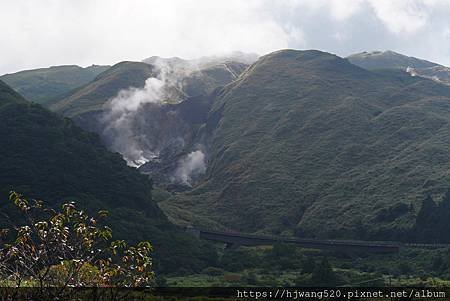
[
  {"x": 47, "y": 157},
  {"x": 43, "y": 84},
  {"x": 315, "y": 146},
  {"x": 392, "y": 60}
]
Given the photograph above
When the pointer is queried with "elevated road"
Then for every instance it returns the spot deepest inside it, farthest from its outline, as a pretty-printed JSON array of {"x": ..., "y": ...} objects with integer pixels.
[{"x": 242, "y": 239}]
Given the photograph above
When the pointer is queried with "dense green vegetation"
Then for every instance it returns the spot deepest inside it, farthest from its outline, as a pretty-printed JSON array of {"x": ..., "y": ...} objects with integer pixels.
[
  {"x": 92, "y": 96},
  {"x": 387, "y": 59},
  {"x": 42, "y": 85},
  {"x": 286, "y": 265},
  {"x": 432, "y": 223},
  {"x": 211, "y": 76},
  {"x": 392, "y": 60},
  {"x": 46, "y": 157},
  {"x": 306, "y": 143},
  {"x": 66, "y": 247},
  {"x": 124, "y": 75}
]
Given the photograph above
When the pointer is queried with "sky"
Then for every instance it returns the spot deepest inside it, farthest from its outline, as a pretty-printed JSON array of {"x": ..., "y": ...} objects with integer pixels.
[{"x": 42, "y": 33}]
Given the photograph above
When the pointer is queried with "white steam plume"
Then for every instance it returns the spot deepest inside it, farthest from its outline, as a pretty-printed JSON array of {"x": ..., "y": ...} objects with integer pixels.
[
  {"x": 121, "y": 112},
  {"x": 189, "y": 167}
]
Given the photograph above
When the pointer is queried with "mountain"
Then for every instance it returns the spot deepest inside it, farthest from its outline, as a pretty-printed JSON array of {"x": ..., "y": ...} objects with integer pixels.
[
  {"x": 42, "y": 85},
  {"x": 392, "y": 60},
  {"x": 84, "y": 105},
  {"x": 305, "y": 142},
  {"x": 387, "y": 59},
  {"x": 91, "y": 97},
  {"x": 123, "y": 107},
  {"x": 170, "y": 131},
  {"x": 47, "y": 157},
  {"x": 202, "y": 76}
]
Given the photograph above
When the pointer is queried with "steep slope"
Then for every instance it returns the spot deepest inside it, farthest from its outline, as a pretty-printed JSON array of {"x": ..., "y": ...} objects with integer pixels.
[
  {"x": 91, "y": 97},
  {"x": 306, "y": 142},
  {"x": 171, "y": 134},
  {"x": 193, "y": 81},
  {"x": 387, "y": 59},
  {"x": 392, "y": 60},
  {"x": 139, "y": 109},
  {"x": 46, "y": 157},
  {"x": 42, "y": 85},
  {"x": 211, "y": 76},
  {"x": 202, "y": 76}
]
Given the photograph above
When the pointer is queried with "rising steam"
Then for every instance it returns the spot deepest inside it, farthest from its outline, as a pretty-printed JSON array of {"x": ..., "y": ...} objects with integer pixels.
[
  {"x": 135, "y": 125},
  {"x": 190, "y": 167},
  {"x": 120, "y": 114}
]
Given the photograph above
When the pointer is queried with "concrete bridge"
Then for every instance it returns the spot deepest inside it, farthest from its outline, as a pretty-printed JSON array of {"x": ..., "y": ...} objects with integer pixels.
[{"x": 347, "y": 246}]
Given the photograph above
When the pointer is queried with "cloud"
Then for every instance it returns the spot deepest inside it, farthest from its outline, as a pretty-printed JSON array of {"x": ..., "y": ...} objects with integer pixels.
[
  {"x": 401, "y": 16},
  {"x": 53, "y": 32}
]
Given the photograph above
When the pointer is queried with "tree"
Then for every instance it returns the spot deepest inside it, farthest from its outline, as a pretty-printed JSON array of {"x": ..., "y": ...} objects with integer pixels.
[
  {"x": 68, "y": 248},
  {"x": 433, "y": 220},
  {"x": 323, "y": 274},
  {"x": 427, "y": 217}
]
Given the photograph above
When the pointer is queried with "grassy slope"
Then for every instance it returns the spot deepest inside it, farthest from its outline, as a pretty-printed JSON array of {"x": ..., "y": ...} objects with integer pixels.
[
  {"x": 78, "y": 104},
  {"x": 208, "y": 78},
  {"x": 392, "y": 60},
  {"x": 44, "y": 156},
  {"x": 41, "y": 85},
  {"x": 387, "y": 59},
  {"x": 93, "y": 95},
  {"x": 306, "y": 142}
]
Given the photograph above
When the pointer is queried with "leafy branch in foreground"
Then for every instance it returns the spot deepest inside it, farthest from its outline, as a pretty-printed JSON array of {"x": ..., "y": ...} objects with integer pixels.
[{"x": 68, "y": 248}]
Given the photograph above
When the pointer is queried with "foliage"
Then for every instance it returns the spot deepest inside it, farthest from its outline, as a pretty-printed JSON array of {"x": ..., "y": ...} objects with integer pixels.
[
  {"x": 212, "y": 271},
  {"x": 69, "y": 248},
  {"x": 305, "y": 142},
  {"x": 323, "y": 274},
  {"x": 47, "y": 157},
  {"x": 42, "y": 85},
  {"x": 387, "y": 59},
  {"x": 92, "y": 96},
  {"x": 433, "y": 221}
]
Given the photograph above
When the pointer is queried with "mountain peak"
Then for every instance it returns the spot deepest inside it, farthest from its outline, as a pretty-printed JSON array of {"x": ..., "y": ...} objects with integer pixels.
[
  {"x": 306, "y": 63},
  {"x": 300, "y": 55},
  {"x": 387, "y": 59}
]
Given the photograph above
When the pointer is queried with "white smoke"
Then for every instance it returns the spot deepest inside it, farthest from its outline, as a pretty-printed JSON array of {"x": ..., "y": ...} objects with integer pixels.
[
  {"x": 119, "y": 118},
  {"x": 412, "y": 71},
  {"x": 123, "y": 115},
  {"x": 189, "y": 167},
  {"x": 121, "y": 112}
]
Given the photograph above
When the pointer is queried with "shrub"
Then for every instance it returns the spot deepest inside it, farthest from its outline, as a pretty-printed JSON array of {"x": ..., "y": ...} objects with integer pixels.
[{"x": 68, "y": 248}]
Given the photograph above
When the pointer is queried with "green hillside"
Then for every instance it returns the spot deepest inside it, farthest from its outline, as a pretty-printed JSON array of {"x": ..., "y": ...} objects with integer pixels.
[
  {"x": 155, "y": 128},
  {"x": 305, "y": 142},
  {"x": 387, "y": 59},
  {"x": 46, "y": 157},
  {"x": 92, "y": 96},
  {"x": 211, "y": 76},
  {"x": 390, "y": 60},
  {"x": 82, "y": 104},
  {"x": 42, "y": 85}
]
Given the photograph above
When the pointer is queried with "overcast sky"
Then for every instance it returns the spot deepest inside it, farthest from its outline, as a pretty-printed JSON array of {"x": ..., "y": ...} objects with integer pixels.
[{"x": 40, "y": 33}]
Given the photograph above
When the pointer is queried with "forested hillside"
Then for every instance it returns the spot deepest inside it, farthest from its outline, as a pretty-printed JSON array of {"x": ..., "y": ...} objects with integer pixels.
[
  {"x": 47, "y": 157},
  {"x": 305, "y": 142},
  {"x": 42, "y": 85}
]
